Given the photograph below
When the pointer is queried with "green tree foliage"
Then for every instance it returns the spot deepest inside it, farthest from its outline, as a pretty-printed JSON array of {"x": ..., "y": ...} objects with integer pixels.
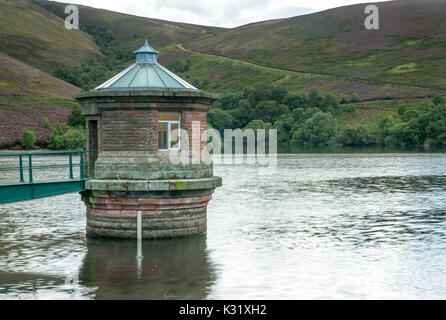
[
  {"x": 28, "y": 139},
  {"x": 315, "y": 98},
  {"x": 242, "y": 114},
  {"x": 179, "y": 66},
  {"x": 267, "y": 106},
  {"x": 75, "y": 118},
  {"x": 355, "y": 136},
  {"x": 294, "y": 101},
  {"x": 310, "y": 118},
  {"x": 402, "y": 109},
  {"x": 270, "y": 110},
  {"x": 257, "y": 124},
  {"x": 56, "y": 137},
  {"x": 46, "y": 122},
  {"x": 318, "y": 130},
  {"x": 88, "y": 76},
  {"x": 353, "y": 96},
  {"x": 384, "y": 128},
  {"x": 74, "y": 139},
  {"x": 438, "y": 100},
  {"x": 64, "y": 137},
  {"x": 219, "y": 119},
  {"x": 330, "y": 104},
  {"x": 284, "y": 125},
  {"x": 409, "y": 115},
  {"x": 96, "y": 71},
  {"x": 437, "y": 131},
  {"x": 415, "y": 127},
  {"x": 116, "y": 54},
  {"x": 264, "y": 92}
]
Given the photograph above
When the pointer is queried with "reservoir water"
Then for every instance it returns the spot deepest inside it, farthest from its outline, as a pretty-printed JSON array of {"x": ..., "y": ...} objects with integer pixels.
[{"x": 323, "y": 226}]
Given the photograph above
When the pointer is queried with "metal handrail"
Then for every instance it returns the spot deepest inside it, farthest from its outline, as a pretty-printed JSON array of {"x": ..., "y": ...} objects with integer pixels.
[
  {"x": 30, "y": 167},
  {"x": 56, "y": 166},
  {"x": 45, "y": 152}
]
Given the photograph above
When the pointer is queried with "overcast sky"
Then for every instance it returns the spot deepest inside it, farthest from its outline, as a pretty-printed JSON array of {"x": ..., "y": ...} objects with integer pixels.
[{"x": 222, "y": 13}]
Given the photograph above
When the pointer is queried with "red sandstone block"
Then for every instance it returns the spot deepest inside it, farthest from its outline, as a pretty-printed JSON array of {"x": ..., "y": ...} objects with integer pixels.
[
  {"x": 129, "y": 207},
  {"x": 147, "y": 207},
  {"x": 113, "y": 212},
  {"x": 148, "y": 212},
  {"x": 112, "y": 201},
  {"x": 181, "y": 206},
  {"x": 182, "y": 200},
  {"x": 98, "y": 212},
  {"x": 131, "y": 111},
  {"x": 148, "y": 201},
  {"x": 206, "y": 198},
  {"x": 163, "y": 201},
  {"x": 168, "y": 201},
  {"x": 112, "y": 206},
  {"x": 129, "y": 213},
  {"x": 129, "y": 201},
  {"x": 98, "y": 200}
]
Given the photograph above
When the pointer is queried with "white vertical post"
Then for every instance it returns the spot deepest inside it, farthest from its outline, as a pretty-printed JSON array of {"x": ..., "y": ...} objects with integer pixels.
[
  {"x": 168, "y": 136},
  {"x": 139, "y": 226},
  {"x": 139, "y": 255}
]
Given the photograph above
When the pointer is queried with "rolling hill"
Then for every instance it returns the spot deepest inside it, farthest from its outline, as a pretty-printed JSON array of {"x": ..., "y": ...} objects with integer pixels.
[
  {"x": 34, "y": 41},
  {"x": 39, "y": 38},
  {"x": 329, "y": 50},
  {"x": 127, "y": 27},
  {"x": 409, "y": 47},
  {"x": 26, "y": 96}
]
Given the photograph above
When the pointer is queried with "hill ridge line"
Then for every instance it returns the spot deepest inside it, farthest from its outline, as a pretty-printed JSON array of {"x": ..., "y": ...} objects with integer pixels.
[{"x": 367, "y": 81}]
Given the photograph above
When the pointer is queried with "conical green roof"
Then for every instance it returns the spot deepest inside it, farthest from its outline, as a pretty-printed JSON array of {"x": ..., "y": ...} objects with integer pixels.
[{"x": 146, "y": 74}]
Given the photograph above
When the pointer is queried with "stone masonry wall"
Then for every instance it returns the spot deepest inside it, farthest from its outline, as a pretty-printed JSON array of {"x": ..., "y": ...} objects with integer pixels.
[
  {"x": 163, "y": 215},
  {"x": 124, "y": 130},
  {"x": 187, "y": 120}
]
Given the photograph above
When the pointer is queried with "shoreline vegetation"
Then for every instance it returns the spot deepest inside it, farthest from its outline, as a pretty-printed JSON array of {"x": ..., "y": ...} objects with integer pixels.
[
  {"x": 308, "y": 104},
  {"x": 314, "y": 119},
  {"x": 306, "y": 119},
  {"x": 301, "y": 118},
  {"x": 68, "y": 135}
]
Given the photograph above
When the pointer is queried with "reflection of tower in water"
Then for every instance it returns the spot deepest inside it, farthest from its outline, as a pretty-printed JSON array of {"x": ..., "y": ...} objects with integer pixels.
[{"x": 168, "y": 269}]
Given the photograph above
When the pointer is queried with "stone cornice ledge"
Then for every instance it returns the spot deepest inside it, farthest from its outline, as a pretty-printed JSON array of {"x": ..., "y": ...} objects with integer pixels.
[
  {"x": 145, "y": 93},
  {"x": 154, "y": 185}
]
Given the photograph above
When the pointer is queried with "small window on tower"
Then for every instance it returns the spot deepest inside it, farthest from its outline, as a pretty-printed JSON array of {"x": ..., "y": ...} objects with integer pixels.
[{"x": 169, "y": 131}]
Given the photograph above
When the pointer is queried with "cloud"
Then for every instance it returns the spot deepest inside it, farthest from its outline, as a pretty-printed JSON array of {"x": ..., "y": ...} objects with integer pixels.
[{"x": 222, "y": 13}]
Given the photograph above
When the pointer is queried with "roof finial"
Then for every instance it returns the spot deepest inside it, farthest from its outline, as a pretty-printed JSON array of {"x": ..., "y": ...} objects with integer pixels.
[{"x": 146, "y": 53}]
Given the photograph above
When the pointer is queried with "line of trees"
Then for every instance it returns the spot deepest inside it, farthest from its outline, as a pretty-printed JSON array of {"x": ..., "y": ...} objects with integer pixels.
[
  {"x": 413, "y": 127},
  {"x": 311, "y": 119},
  {"x": 306, "y": 118}
]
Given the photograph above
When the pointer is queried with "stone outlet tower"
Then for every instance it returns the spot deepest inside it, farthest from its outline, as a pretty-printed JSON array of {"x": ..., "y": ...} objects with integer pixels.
[{"x": 133, "y": 121}]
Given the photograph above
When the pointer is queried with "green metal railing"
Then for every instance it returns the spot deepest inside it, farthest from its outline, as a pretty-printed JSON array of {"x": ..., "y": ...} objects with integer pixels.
[
  {"x": 21, "y": 168},
  {"x": 11, "y": 191}
]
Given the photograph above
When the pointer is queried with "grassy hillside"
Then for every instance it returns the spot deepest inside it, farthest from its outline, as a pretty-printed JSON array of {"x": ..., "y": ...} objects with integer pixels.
[
  {"x": 126, "y": 27},
  {"x": 224, "y": 75},
  {"x": 329, "y": 50},
  {"x": 39, "y": 38},
  {"x": 26, "y": 96},
  {"x": 409, "y": 47}
]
